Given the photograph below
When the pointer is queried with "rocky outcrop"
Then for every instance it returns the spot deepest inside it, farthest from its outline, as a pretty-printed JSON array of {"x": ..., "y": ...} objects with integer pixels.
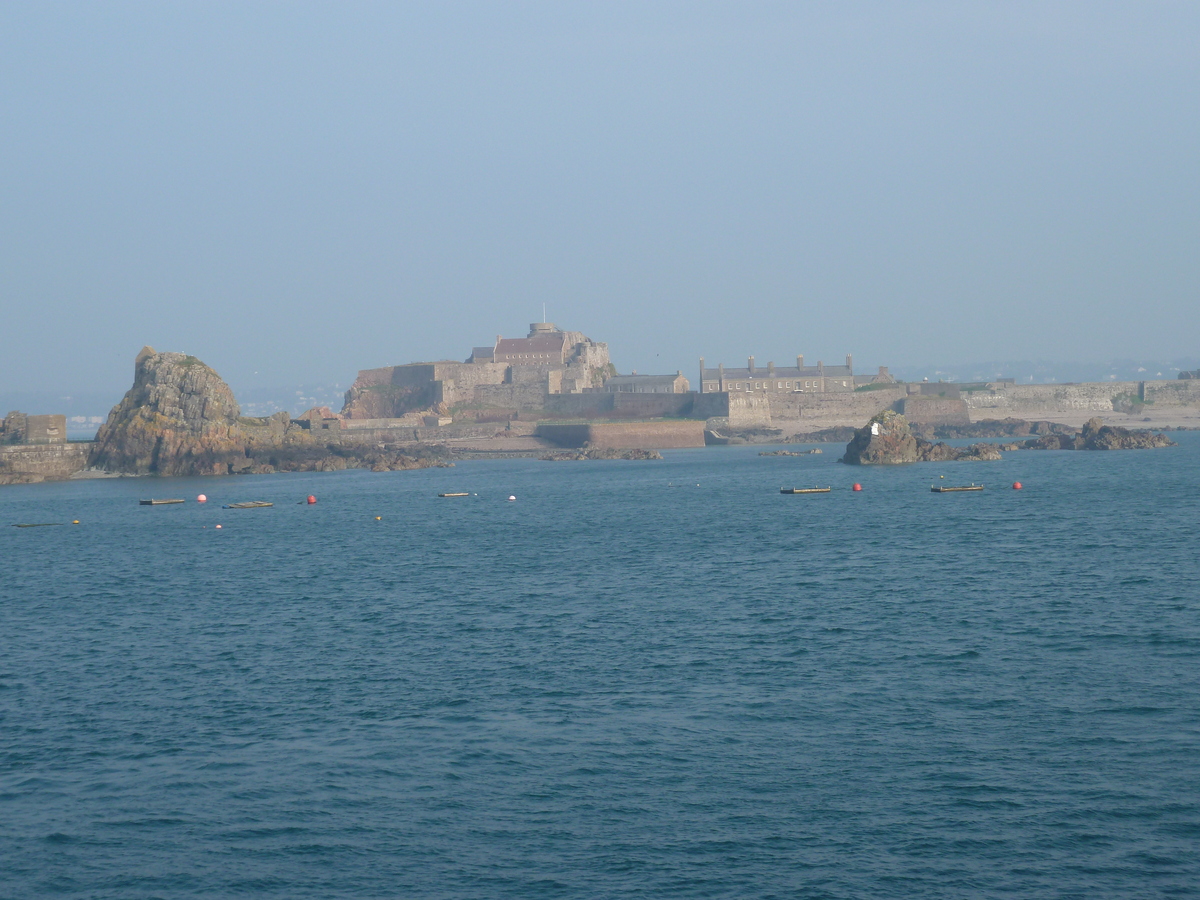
[
  {"x": 1095, "y": 435},
  {"x": 990, "y": 428},
  {"x": 181, "y": 418},
  {"x": 888, "y": 440}
]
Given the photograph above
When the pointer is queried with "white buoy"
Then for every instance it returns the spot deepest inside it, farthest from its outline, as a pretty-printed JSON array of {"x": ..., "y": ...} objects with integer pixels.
[{"x": 511, "y": 497}]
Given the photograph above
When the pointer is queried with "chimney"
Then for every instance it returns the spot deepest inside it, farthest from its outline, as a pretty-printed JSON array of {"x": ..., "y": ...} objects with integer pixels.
[
  {"x": 750, "y": 366},
  {"x": 800, "y": 361},
  {"x": 770, "y": 370},
  {"x": 820, "y": 367},
  {"x": 850, "y": 362},
  {"x": 701, "y": 388}
]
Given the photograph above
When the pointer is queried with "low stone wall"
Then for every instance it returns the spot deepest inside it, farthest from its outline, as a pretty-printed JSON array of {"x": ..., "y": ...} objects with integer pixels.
[
  {"x": 662, "y": 435},
  {"x": 617, "y": 405},
  {"x": 1042, "y": 401},
  {"x": 526, "y": 395},
  {"x": 812, "y": 411},
  {"x": 923, "y": 410},
  {"x": 1180, "y": 392},
  {"x": 40, "y": 462}
]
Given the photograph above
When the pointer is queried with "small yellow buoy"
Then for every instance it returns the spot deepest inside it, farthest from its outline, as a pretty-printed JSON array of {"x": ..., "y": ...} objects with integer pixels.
[
  {"x": 378, "y": 518},
  {"x": 75, "y": 522}
]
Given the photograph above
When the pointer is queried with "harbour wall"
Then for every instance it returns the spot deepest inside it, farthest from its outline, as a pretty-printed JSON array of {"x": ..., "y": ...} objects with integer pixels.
[
  {"x": 26, "y": 463},
  {"x": 665, "y": 434}
]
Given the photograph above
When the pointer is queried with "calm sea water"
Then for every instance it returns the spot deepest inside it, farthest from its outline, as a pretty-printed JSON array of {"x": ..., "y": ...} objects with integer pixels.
[{"x": 639, "y": 679}]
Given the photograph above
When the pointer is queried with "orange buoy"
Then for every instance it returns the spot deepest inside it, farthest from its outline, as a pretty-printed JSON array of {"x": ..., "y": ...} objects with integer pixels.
[
  {"x": 311, "y": 499},
  {"x": 857, "y": 487},
  {"x": 201, "y": 499},
  {"x": 1017, "y": 485}
]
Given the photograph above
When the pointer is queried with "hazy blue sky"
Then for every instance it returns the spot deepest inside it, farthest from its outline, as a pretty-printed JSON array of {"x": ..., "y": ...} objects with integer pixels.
[{"x": 302, "y": 190}]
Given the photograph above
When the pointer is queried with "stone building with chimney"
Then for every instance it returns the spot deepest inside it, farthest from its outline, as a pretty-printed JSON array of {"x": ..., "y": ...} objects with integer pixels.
[
  {"x": 513, "y": 372},
  {"x": 770, "y": 379}
]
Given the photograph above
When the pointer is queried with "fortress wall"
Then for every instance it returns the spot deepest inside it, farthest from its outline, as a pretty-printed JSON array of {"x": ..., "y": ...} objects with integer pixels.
[
  {"x": 1042, "y": 401},
  {"x": 467, "y": 375},
  {"x": 662, "y": 435},
  {"x": 41, "y": 461},
  {"x": 436, "y": 435},
  {"x": 1181, "y": 392},
  {"x": 651, "y": 405},
  {"x": 416, "y": 375},
  {"x": 935, "y": 410},
  {"x": 530, "y": 375},
  {"x": 579, "y": 405},
  {"x": 749, "y": 410},
  {"x": 353, "y": 426},
  {"x": 598, "y": 404},
  {"x": 812, "y": 411},
  {"x": 374, "y": 377},
  {"x": 529, "y": 396}
]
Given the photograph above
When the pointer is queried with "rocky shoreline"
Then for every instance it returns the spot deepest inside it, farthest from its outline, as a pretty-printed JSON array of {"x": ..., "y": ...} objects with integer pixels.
[
  {"x": 888, "y": 439},
  {"x": 181, "y": 418},
  {"x": 588, "y": 451}
]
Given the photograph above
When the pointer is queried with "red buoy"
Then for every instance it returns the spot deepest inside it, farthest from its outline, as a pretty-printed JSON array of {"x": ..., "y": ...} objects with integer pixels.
[
  {"x": 1017, "y": 485},
  {"x": 201, "y": 499},
  {"x": 311, "y": 499},
  {"x": 857, "y": 487}
]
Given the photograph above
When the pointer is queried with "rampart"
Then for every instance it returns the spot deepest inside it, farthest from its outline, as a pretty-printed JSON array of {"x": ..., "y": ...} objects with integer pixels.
[
  {"x": 614, "y": 405},
  {"x": 925, "y": 410},
  {"x": 41, "y": 462},
  {"x": 665, "y": 434}
]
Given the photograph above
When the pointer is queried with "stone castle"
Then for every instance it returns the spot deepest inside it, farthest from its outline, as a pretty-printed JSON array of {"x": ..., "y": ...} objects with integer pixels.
[{"x": 513, "y": 373}]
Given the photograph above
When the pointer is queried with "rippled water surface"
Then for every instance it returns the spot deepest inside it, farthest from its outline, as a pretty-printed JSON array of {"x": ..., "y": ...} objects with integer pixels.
[{"x": 639, "y": 679}]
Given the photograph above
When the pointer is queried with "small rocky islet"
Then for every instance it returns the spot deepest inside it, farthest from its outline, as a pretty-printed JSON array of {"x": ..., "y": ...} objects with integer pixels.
[{"x": 888, "y": 439}]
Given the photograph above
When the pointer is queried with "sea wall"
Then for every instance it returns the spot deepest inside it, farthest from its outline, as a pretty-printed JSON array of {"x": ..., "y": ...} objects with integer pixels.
[
  {"x": 616, "y": 405},
  {"x": 39, "y": 462},
  {"x": 1042, "y": 401},
  {"x": 925, "y": 410},
  {"x": 811, "y": 411},
  {"x": 1180, "y": 392},
  {"x": 518, "y": 395},
  {"x": 662, "y": 435}
]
